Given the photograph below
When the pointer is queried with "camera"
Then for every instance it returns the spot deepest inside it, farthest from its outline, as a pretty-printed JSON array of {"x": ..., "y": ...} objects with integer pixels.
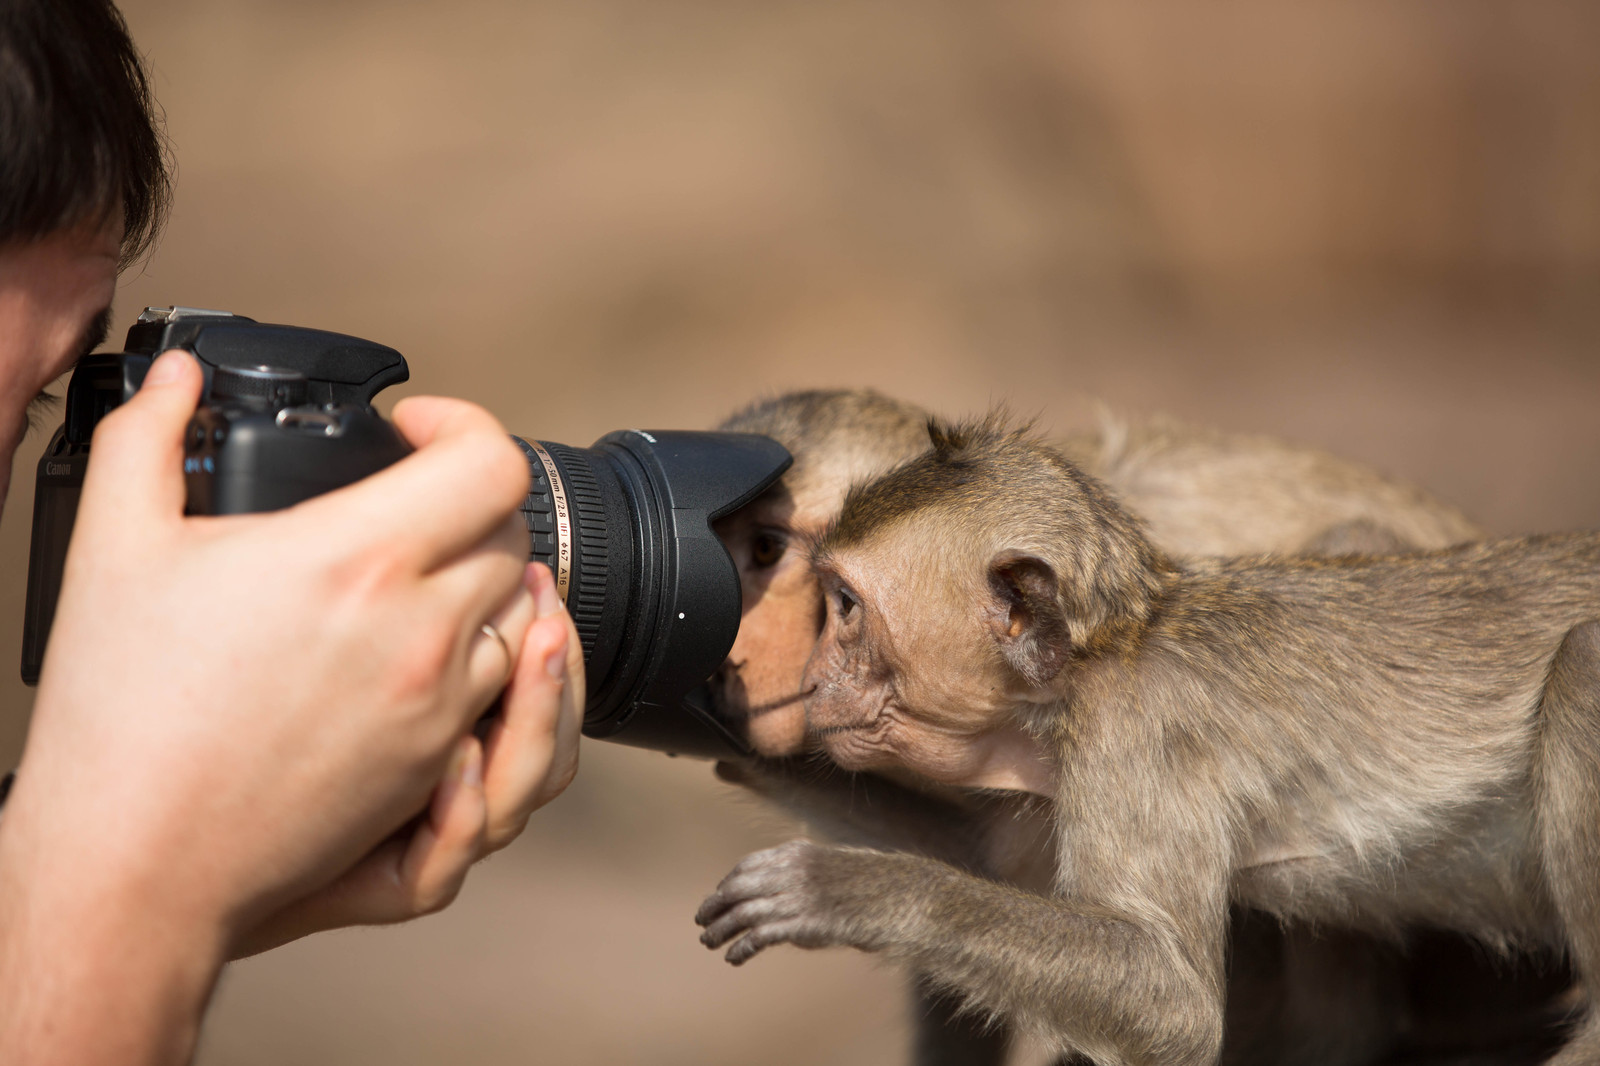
[{"x": 624, "y": 525}]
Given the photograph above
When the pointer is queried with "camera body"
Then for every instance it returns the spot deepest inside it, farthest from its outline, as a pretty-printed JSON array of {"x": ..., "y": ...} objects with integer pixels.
[
  {"x": 245, "y": 452},
  {"x": 625, "y": 525},
  {"x": 265, "y": 435}
]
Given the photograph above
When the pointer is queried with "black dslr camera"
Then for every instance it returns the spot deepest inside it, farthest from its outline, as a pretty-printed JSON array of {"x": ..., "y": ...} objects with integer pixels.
[{"x": 625, "y": 525}]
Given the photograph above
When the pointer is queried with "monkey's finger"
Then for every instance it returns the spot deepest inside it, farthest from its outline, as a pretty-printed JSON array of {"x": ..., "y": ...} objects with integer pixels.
[
  {"x": 735, "y": 889},
  {"x": 763, "y": 873},
  {"x": 761, "y": 938},
  {"x": 746, "y": 915},
  {"x": 712, "y": 907}
]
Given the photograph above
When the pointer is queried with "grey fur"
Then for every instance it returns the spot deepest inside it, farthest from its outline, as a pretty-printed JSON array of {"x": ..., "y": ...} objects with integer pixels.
[{"x": 1381, "y": 729}]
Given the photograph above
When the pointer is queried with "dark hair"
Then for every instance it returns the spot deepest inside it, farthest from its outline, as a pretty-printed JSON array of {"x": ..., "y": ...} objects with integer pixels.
[{"x": 80, "y": 135}]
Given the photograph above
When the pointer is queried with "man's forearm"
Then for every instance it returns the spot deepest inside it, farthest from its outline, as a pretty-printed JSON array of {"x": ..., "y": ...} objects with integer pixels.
[{"x": 96, "y": 964}]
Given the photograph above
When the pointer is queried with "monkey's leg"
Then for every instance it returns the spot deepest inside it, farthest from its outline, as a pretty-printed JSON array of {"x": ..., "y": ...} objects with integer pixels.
[
  {"x": 1109, "y": 984},
  {"x": 1298, "y": 997},
  {"x": 1567, "y": 769}
]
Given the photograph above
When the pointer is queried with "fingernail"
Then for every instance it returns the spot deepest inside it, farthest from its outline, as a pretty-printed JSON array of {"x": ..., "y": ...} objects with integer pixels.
[
  {"x": 472, "y": 770},
  {"x": 169, "y": 367},
  {"x": 556, "y": 664},
  {"x": 458, "y": 759},
  {"x": 445, "y": 791},
  {"x": 544, "y": 589}
]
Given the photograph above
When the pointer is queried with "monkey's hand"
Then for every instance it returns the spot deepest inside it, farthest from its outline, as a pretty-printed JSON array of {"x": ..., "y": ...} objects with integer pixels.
[
  {"x": 1088, "y": 977},
  {"x": 809, "y": 895}
]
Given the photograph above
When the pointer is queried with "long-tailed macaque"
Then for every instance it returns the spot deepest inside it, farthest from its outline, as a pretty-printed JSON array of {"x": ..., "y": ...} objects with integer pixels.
[
  {"x": 1199, "y": 493},
  {"x": 1296, "y": 994},
  {"x": 1366, "y": 742}
]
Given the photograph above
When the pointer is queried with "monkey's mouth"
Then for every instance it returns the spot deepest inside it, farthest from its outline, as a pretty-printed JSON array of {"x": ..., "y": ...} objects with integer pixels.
[
  {"x": 780, "y": 703},
  {"x": 728, "y": 687}
]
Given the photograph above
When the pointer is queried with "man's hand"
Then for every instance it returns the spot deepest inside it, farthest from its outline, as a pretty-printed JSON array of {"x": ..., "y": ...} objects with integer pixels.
[
  {"x": 234, "y": 711},
  {"x": 531, "y": 751}
]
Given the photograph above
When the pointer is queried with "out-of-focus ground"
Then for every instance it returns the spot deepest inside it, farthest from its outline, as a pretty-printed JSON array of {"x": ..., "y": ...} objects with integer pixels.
[{"x": 1370, "y": 226}]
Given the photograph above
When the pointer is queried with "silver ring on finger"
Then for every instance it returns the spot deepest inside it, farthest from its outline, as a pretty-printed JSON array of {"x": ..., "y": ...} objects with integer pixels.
[{"x": 494, "y": 634}]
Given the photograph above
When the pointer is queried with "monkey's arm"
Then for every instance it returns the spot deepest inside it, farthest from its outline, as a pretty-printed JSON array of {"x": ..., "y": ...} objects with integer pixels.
[
  {"x": 1121, "y": 987},
  {"x": 872, "y": 811},
  {"x": 866, "y": 809}
]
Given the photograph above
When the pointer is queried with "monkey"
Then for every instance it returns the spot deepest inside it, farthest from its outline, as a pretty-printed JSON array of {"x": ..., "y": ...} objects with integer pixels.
[
  {"x": 1200, "y": 493},
  {"x": 1368, "y": 742},
  {"x": 1301, "y": 996}
]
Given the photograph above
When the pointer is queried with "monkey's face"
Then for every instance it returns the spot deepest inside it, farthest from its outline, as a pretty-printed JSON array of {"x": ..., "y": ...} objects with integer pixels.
[
  {"x": 905, "y": 674},
  {"x": 760, "y": 681}
]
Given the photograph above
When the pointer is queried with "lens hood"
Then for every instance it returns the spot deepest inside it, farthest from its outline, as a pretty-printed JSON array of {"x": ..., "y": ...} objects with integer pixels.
[{"x": 625, "y": 526}]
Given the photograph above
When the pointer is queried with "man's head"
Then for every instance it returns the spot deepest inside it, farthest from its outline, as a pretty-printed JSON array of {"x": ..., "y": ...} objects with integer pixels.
[
  {"x": 83, "y": 189},
  {"x": 838, "y": 438}
]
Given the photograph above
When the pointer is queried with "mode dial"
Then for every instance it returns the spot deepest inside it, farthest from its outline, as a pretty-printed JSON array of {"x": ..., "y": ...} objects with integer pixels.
[{"x": 259, "y": 386}]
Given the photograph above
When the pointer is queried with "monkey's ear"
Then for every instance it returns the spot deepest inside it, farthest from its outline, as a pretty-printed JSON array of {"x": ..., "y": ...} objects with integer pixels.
[{"x": 1027, "y": 620}]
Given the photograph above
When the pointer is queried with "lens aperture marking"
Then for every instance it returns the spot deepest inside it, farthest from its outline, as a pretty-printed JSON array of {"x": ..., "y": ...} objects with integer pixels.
[{"x": 558, "y": 496}]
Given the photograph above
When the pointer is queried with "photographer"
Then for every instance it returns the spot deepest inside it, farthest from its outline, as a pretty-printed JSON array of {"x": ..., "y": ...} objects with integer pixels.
[{"x": 240, "y": 718}]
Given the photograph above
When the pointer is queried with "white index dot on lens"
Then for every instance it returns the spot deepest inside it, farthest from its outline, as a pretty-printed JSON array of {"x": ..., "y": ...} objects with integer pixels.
[{"x": 680, "y": 614}]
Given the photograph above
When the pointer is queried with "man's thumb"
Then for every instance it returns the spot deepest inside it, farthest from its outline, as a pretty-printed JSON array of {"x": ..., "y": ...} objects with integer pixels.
[{"x": 136, "y": 458}]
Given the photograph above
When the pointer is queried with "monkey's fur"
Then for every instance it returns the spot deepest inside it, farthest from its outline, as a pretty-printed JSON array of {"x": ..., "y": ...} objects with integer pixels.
[
  {"x": 1298, "y": 995},
  {"x": 1369, "y": 743}
]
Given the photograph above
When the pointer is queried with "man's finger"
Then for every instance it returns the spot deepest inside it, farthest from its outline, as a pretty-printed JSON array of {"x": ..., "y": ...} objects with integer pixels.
[
  {"x": 450, "y": 839},
  {"x": 465, "y": 478},
  {"x": 491, "y": 653},
  {"x": 137, "y": 473},
  {"x": 481, "y": 579},
  {"x": 532, "y": 751}
]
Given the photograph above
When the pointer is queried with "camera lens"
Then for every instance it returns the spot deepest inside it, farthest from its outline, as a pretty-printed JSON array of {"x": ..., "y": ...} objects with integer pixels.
[{"x": 625, "y": 527}]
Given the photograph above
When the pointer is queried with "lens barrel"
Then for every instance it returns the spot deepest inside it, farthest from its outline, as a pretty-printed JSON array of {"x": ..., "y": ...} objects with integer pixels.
[{"x": 625, "y": 526}]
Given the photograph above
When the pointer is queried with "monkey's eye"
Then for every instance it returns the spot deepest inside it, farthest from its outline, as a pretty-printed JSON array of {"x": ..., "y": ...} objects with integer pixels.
[
  {"x": 847, "y": 604},
  {"x": 767, "y": 547}
]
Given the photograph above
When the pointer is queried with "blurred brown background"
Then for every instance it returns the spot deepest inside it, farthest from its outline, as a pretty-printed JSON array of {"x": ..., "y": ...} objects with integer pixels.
[{"x": 1371, "y": 226}]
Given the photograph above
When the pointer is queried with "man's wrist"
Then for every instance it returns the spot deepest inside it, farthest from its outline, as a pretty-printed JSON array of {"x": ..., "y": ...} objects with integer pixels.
[{"x": 96, "y": 963}]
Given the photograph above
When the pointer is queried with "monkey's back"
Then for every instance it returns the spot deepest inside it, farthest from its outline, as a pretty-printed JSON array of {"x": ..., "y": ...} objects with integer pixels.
[
  {"x": 1204, "y": 493},
  {"x": 1379, "y": 715}
]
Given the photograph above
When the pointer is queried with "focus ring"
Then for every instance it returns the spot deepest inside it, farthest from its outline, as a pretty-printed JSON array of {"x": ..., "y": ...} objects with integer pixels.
[
  {"x": 539, "y": 513},
  {"x": 591, "y": 562}
]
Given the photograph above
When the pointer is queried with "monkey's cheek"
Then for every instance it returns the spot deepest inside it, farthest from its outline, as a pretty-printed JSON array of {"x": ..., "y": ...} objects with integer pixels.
[{"x": 856, "y": 751}]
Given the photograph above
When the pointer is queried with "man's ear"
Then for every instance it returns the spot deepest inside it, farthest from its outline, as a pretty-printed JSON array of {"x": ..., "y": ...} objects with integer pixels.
[{"x": 1027, "y": 618}]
